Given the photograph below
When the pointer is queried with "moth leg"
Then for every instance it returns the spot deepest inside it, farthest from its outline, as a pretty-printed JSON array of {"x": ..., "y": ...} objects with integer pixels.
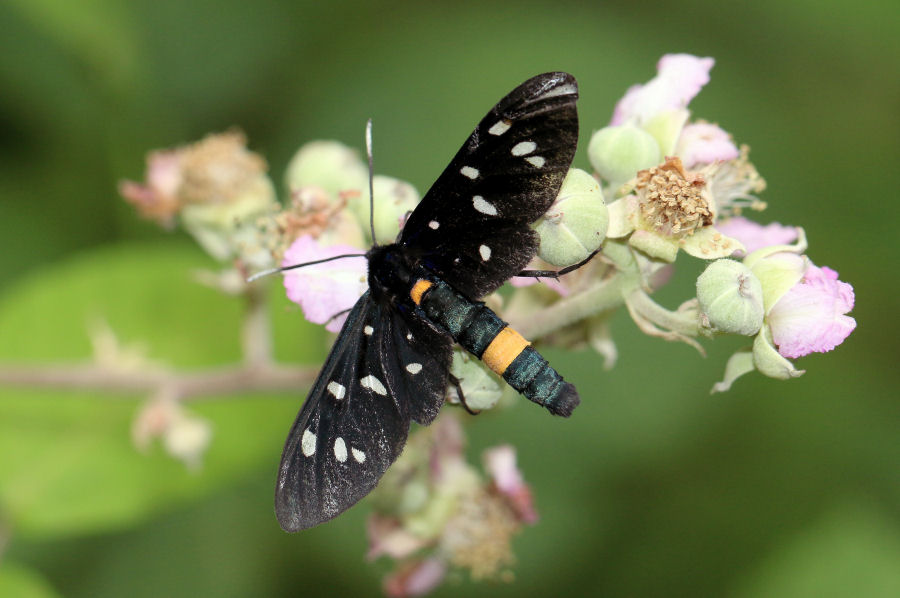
[
  {"x": 336, "y": 316},
  {"x": 557, "y": 273},
  {"x": 462, "y": 398}
]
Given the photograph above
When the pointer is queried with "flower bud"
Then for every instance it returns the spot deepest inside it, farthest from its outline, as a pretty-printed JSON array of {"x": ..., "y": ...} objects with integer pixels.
[
  {"x": 731, "y": 297},
  {"x": 618, "y": 153},
  {"x": 222, "y": 228},
  {"x": 575, "y": 225},
  {"x": 393, "y": 200},
  {"x": 330, "y": 165},
  {"x": 187, "y": 438}
]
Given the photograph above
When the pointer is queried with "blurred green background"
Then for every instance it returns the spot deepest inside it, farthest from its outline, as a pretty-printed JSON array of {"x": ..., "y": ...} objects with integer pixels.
[{"x": 654, "y": 488}]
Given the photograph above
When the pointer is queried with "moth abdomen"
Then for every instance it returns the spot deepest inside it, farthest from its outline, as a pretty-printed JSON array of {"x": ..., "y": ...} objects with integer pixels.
[
  {"x": 484, "y": 334},
  {"x": 531, "y": 375}
]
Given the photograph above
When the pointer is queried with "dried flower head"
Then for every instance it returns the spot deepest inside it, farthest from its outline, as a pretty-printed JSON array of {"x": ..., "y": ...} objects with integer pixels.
[{"x": 672, "y": 200}]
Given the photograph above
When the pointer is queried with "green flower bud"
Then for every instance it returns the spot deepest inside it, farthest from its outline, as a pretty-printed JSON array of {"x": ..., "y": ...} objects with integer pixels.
[
  {"x": 220, "y": 227},
  {"x": 393, "y": 200},
  {"x": 329, "y": 165},
  {"x": 618, "y": 153},
  {"x": 478, "y": 385},
  {"x": 731, "y": 296},
  {"x": 575, "y": 225}
]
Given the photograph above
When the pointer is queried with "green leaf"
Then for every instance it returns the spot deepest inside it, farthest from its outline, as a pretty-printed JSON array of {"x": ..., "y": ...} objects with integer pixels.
[
  {"x": 67, "y": 463},
  {"x": 21, "y": 582}
]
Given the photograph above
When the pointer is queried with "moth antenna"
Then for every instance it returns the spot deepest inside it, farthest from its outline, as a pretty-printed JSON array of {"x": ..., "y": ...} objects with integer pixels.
[
  {"x": 371, "y": 180},
  {"x": 293, "y": 266}
]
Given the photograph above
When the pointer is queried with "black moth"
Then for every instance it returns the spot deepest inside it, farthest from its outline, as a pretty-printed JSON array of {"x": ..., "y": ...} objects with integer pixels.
[{"x": 390, "y": 363}]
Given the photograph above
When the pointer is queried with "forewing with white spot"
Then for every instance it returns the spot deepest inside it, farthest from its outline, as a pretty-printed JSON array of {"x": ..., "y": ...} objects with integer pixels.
[{"x": 504, "y": 177}]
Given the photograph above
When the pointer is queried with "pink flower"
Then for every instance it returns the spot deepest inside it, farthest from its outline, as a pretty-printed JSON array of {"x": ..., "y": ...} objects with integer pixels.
[
  {"x": 679, "y": 78},
  {"x": 324, "y": 290},
  {"x": 810, "y": 316},
  {"x": 705, "y": 143},
  {"x": 756, "y": 236},
  {"x": 415, "y": 579},
  {"x": 388, "y": 536},
  {"x": 157, "y": 199},
  {"x": 500, "y": 463}
]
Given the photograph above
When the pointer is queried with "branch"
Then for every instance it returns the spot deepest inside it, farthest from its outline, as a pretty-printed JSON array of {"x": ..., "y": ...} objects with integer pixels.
[{"x": 185, "y": 386}]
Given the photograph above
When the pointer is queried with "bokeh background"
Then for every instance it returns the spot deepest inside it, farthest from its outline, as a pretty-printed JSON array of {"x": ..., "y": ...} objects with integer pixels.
[{"x": 654, "y": 488}]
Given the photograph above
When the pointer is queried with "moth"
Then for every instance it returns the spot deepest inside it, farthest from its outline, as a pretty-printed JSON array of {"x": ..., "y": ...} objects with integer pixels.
[{"x": 390, "y": 364}]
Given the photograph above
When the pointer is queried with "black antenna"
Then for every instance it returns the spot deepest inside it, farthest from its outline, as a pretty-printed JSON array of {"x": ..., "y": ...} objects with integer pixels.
[
  {"x": 371, "y": 180},
  {"x": 313, "y": 263}
]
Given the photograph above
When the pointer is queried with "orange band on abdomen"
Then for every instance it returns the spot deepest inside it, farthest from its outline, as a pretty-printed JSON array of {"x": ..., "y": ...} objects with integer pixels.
[
  {"x": 505, "y": 347},
  {"x": 419, "y": 289}
]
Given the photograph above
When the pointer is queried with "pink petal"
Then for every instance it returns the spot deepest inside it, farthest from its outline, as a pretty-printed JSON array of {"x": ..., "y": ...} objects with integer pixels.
[
  {"x": 679, "y": 78},
  {"x": 417, "y": 579},
  {"x": 165, "y": 171},
  {"x": 705, "y": 143},
  {"x": 500, "y": 463},
  {"x": 756, "y": 236},
  {"x": 324, "y": 290},
  {"x": 810, "y": 317},
  {"x": 387, "y": 536}
]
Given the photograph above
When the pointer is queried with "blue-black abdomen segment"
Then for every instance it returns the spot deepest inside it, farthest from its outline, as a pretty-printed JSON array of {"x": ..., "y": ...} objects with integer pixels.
[
  {"x": 531, "y": 375},
  {"x": 481, "y": 332}
]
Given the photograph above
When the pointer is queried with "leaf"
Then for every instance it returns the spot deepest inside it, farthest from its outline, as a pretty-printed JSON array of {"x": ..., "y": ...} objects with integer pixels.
[
  {"x": 21, "y": 582},
  {"x": 67, "y": 463}
]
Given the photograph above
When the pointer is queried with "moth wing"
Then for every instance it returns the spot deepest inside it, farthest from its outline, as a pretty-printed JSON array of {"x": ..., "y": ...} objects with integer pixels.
[
  {"x": 419, "y": 356},
  {"x": 352, "y": 426},
  {"x": 472, "y": 227}
]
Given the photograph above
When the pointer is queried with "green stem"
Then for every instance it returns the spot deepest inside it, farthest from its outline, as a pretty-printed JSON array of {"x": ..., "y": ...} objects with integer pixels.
[
  {"x": 602, "y": 296},
  {"x": 256, "y": 334},
  {"x": 683, "y": 322}
]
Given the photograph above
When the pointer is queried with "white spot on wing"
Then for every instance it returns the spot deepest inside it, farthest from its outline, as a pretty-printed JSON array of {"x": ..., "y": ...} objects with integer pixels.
[
  {"x": 536, "y": 161},
  {"x": 368, "y": 330},
  {"x": 485, "y": 252},
  {"x": 434, "y": 224},
  {"x": 560, "y": 90},
  {"x": 523, "y": 148},
  {"x": 483, "y": 206},
  {"x": 340, "y": 449},
  {"x": 500, "y": 127},
  {"x": 358, "y": 455},
  {"x": 373, "y": 384},
  {"x": 338, "y": 390},
  {"x": 468, "y": 171},
  {"x": 308, "y": 443},
  {"x": 409, "y": 336},
  {"x": 414, "y": 368}
]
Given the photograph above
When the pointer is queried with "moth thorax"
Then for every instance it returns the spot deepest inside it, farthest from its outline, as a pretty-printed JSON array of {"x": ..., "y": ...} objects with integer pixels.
[{"x": 390, "y": 272}]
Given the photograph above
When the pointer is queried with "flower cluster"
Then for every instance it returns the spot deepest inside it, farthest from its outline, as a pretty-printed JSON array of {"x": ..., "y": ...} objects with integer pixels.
[
  {"x": 662, "y": 184},
  {"x": 433, "y": 511}
]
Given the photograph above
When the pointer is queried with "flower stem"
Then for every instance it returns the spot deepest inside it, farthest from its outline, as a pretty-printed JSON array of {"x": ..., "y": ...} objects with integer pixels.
[
  {"x": 217, "y": 382},
  {"x": 599, "y": 297},
  {"x": 256, "y": 334}
]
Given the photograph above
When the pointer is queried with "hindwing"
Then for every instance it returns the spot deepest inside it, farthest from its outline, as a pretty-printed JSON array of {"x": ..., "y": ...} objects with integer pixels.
[{"x": 380, "y": 374}]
